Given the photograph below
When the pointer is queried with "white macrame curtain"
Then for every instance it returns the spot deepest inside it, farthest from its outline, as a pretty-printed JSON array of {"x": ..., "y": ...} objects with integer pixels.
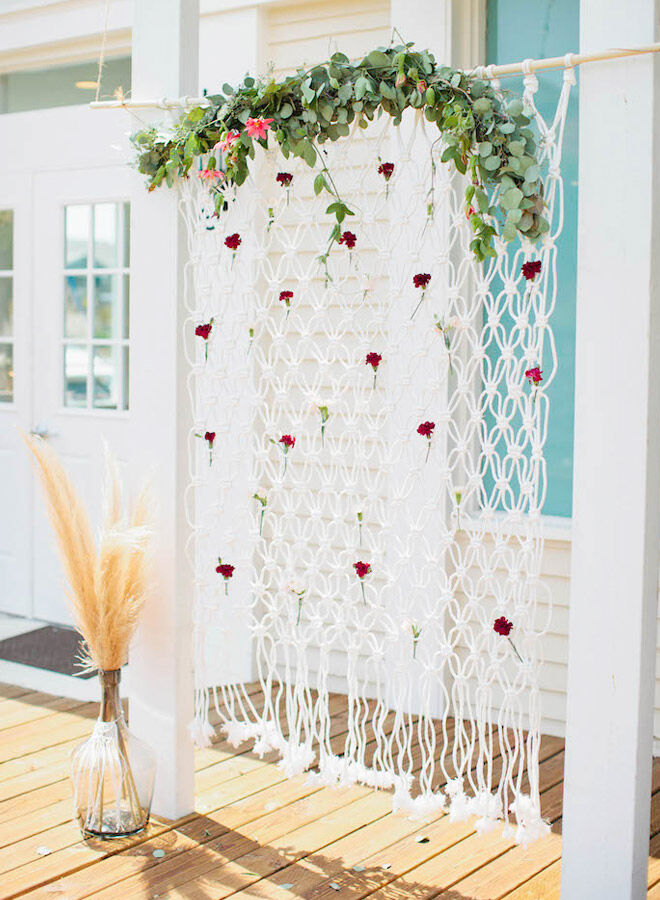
[{"x": 450, "y": 525}]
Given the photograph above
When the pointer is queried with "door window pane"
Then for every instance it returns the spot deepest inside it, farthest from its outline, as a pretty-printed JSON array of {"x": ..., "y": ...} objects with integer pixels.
[
  {"x": 6, "y": 239},
  {"x": 106, "y": 235},
  {"x": 75, "y": 375},
  {"x": 75, "y": 306},
  {"x": 6, "y": 307},
  {"x": 107, "y": 306},
  {"x": 106, "y": 380},
  {"x": 77, "y": 234},
  {"x": 6, "y": 373},
  {"x": 96, "y": 306}
]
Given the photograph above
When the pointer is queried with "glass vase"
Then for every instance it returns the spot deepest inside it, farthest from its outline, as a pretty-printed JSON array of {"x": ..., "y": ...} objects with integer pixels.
[{"x": 112, "y": 771}]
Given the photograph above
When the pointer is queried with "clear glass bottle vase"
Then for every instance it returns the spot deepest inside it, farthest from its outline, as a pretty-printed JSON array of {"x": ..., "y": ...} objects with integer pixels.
[{"x": 112, "y": 771}]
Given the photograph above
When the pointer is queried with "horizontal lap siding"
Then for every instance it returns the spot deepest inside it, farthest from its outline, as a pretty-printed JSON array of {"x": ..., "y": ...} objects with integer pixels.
[
  {"x": 307, "y": 33},
  {"x": 304, "y": 34}
]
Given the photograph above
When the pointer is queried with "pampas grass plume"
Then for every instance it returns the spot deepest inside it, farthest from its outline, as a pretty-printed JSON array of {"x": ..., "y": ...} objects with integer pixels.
[{"x": 107, "y": 583}]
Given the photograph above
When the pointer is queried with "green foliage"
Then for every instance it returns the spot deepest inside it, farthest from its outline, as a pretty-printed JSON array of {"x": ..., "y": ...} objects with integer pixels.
[{"x": 484, "y": 136}]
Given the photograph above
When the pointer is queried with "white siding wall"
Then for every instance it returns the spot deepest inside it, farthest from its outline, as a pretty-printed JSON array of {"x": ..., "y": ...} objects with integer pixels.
[{"x": 306, "y": 33}]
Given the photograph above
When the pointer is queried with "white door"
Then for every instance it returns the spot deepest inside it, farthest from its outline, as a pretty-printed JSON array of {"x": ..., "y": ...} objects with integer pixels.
[
  {"x": 81, "y": 342},
  {"x": 15, "y": 396}
]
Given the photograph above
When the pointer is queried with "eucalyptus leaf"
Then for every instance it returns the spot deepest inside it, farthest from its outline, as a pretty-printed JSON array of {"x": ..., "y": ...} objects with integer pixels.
[
  {"x": 512, "y": 198},
  {"x": 378, "y": 59}
]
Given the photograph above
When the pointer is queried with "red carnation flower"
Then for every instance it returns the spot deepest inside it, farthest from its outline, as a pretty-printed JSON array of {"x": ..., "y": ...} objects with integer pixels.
[
  {"x": 233, "y": 241},
  {"x": 225, "y": 570},
  {"x": 286, "y": 297},
  {"x": 204, "y": 331},
  {"x": 421, "y": 280},
  {"x": 534, "y": 376},
  {"x": 284, "y": 178},
  {"x": 373, "y": 360},
  {"x": 349, "y": 239},
  {"x": 531, "y": 269},
  {"x": 362, "y": 569},
  {"x": 209, "y": 437},
  {"x": 386, "y": 170},
  {"x": 426, "y": 429},
  {"x": 502, "y": 626},
  {"x": 286, "y": 442},
  {"x": 422, "y": 86}
]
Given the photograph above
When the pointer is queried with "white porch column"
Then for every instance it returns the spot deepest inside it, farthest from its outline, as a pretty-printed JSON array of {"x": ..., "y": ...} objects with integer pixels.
[
  {"x": 165, "y": 64},
  {"x": 614, "y": 580}
]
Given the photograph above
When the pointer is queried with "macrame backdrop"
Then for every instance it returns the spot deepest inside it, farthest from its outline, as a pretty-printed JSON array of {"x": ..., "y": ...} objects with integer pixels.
[{"x": 439, "y": 706}]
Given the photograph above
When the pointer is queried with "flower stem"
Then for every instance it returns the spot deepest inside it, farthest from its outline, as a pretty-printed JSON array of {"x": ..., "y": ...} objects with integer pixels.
[
  {"x": 417, "y": 307},
  {"x": 374, "y": 380},
  {"x": 323, "y": 435},
  {"x": 226, "y": 588},
  {"x": 286, "y": 459},
  {"x": 210, "y": 456},
  {"x": 428, "y": 450},
  {"x": 364, "y": 599},
  {"x": 261, "y": 521},
  {"x": 299, "y": 610},
  {"x": 414, "y": 648},
  {"x": 515, "y": 649}
]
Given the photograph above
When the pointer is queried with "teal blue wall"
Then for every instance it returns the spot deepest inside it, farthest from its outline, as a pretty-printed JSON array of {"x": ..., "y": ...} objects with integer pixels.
[{"x": 518, "y": 29}]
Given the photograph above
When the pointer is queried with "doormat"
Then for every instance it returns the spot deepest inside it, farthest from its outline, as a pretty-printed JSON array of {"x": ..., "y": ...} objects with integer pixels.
[{"x": 52, "y": 648}]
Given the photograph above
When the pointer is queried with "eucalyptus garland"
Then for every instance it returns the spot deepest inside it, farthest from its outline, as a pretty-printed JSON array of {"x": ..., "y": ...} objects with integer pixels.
[{"x": 484, "y": 135}]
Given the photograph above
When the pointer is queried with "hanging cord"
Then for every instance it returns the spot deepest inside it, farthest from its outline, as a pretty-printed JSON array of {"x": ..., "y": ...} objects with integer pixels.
[{"x": 104, "y": 40}]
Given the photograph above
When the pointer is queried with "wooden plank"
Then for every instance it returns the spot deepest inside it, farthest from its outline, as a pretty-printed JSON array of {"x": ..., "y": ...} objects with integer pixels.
[
  {"x": 9, "y": 691},
  {"x": 544, "y": 886},
  {"x": 62, "y": 726},
  {"x": 185, "y": 859},
  {"x": 32, "y": 706},
  {"x": 259, "y": 850},
  {"x": 394, "y": 871},
  {"x": 22, "y": 852}
]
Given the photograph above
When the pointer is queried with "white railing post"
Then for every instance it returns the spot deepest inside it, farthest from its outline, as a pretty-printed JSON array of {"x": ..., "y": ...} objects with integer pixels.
[
  {"x": 616, "y": 511},
  {"x": 165, "y": 64}
]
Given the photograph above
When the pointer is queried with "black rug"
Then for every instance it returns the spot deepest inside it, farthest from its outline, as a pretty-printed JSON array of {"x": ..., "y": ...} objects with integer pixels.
[{"x": 52, "y": 648}]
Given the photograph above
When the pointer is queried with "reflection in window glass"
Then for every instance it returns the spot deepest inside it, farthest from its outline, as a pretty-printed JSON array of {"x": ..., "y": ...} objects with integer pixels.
[
  {"x": 96, "y": 306},
  {"x": 107, "y": 309},
  {"x": 106, "y": 233},
  {"x": 6, "y": 239},
  {"x": 75, "y": 375},
  {"x": 126, "y": 319},
  {"x": 6, "y": 307},
  {"x": 75, "y": 306},
  {"x": 105, "y": 377},
  {"x": 76, "y": 236},
  {"x": 6, "y": 373},
  {"x": 127, "y": 235},
  {"x": 61, "y": 85}
]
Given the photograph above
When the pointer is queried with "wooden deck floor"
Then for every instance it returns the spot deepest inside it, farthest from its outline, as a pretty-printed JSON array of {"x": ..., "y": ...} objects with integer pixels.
[{"x": 254, "y": 834}]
